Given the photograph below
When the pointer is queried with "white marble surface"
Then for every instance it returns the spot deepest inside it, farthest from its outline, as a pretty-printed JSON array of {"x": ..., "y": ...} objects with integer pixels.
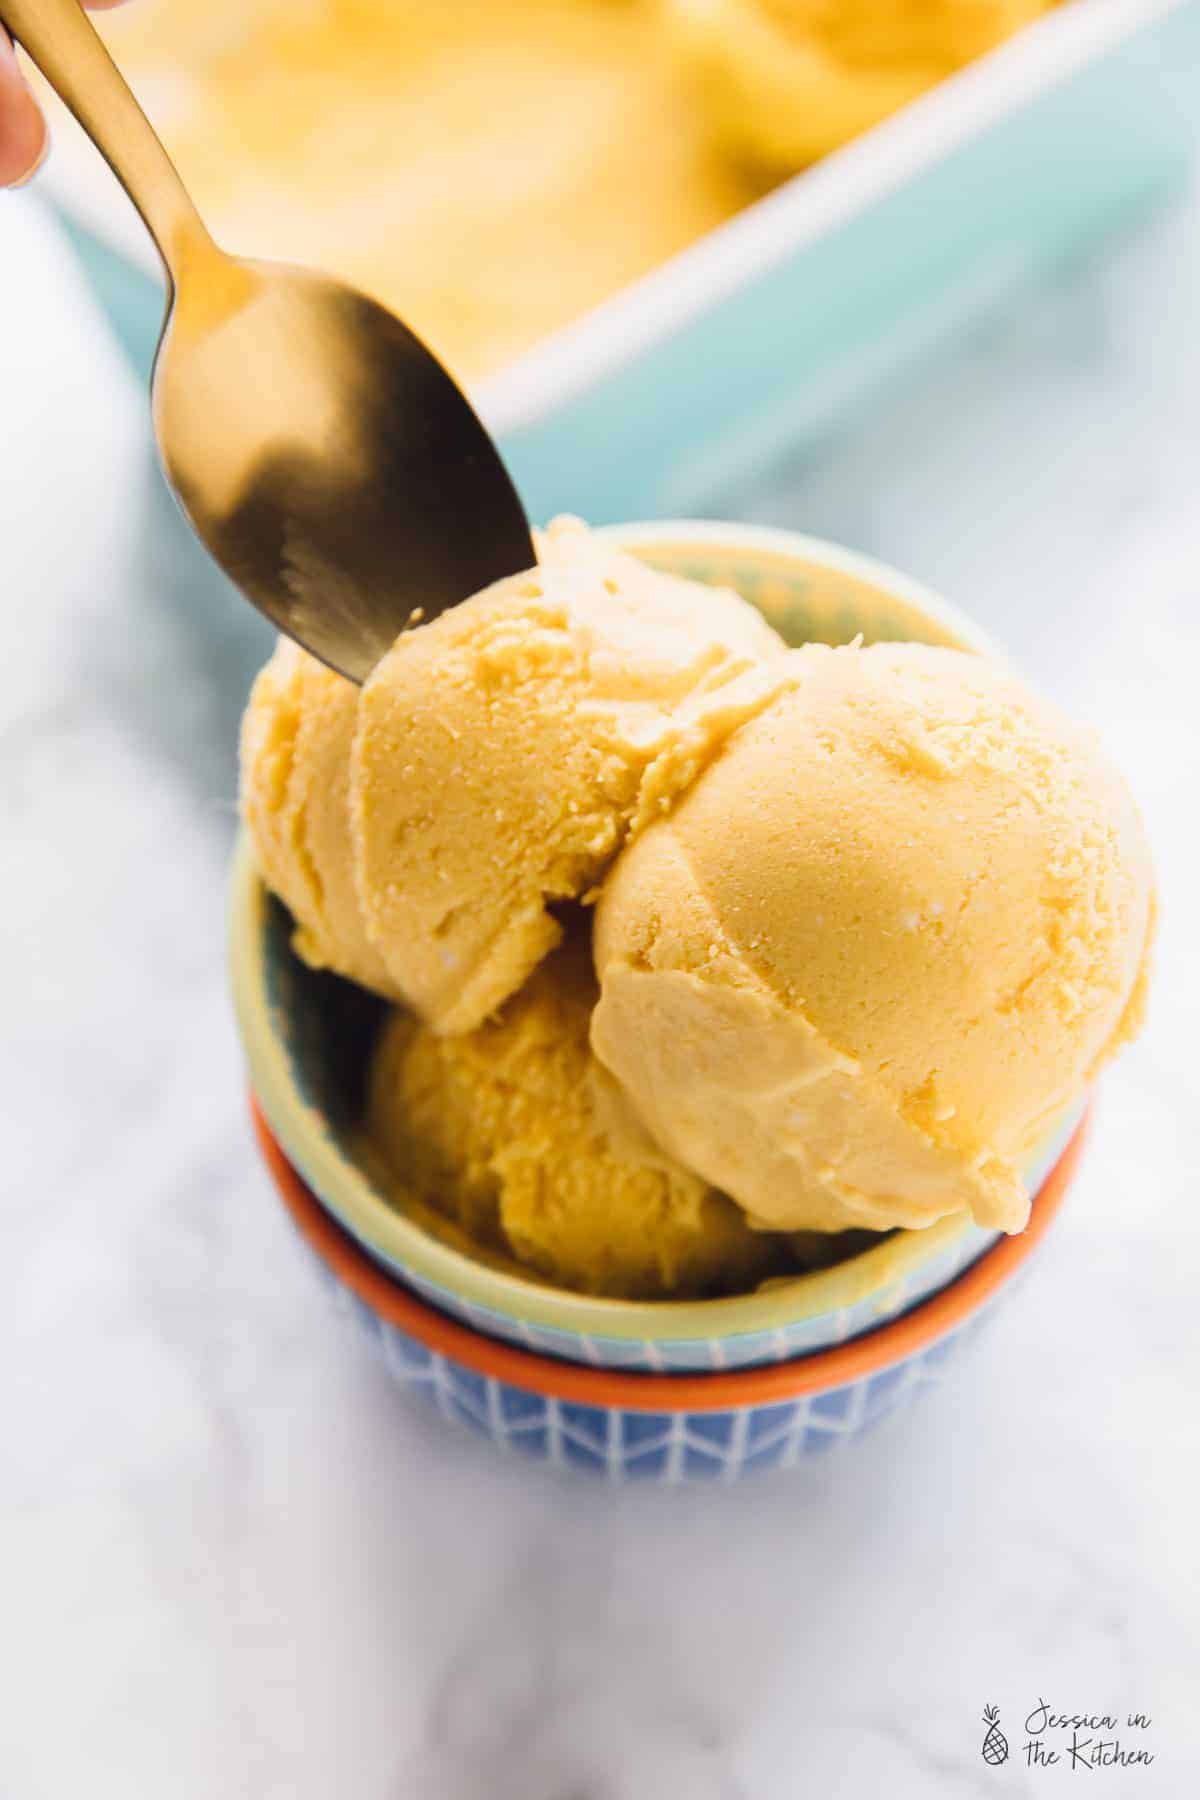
[{"x": 232, "y": 1561}]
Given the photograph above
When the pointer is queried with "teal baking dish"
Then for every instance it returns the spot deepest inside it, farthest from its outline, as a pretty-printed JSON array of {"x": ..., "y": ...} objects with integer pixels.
[{"x": 769, "y": 328}]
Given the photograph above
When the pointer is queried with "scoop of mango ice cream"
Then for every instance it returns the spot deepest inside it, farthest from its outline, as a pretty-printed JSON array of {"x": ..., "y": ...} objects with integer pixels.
[
  {"x": 501, "y": 1129},
  {"x": 879, "y": 946},
  {"x": 505, "y": 754},
  {"x": 784, "y": 82},
  {"x": 422, "y": 830}
]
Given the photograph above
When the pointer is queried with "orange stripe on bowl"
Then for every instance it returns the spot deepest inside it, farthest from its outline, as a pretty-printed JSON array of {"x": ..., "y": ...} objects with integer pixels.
[{"x": 717, "y": 1392}]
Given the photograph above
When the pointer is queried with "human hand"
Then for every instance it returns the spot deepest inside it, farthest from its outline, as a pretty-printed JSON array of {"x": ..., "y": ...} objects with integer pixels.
[{"x": 23, "y": 137}]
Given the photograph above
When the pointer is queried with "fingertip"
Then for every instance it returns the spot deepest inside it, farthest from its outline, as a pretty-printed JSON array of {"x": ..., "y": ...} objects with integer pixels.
[
  {"x": 23, "y": 137},
  {"x": 24, "y": 145}
]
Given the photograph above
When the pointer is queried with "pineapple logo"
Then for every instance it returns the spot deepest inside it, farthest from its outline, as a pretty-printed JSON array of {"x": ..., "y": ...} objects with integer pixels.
[{"x": 995, "y": 1744}]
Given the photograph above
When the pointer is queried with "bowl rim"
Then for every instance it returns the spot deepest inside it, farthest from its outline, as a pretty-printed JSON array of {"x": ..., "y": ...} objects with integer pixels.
[
  {"x": 780, "y": 545},
  {"x": 412, "y": 1250},
  {"x": 717, "y": 1391}
]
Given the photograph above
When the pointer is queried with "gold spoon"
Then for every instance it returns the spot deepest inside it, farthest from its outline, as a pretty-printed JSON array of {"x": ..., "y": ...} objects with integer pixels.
[{"x": 322, "y": 454}]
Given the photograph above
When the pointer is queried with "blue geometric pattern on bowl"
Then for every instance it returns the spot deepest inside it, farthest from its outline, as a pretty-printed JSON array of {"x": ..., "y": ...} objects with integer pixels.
[{"x": 625, "y": 1443}]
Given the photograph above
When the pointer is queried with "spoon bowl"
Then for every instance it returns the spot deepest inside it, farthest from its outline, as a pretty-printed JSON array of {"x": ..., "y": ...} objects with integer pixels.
[
  {"x": 323, "y": 455},
  {"x": 328, "y": 461}
]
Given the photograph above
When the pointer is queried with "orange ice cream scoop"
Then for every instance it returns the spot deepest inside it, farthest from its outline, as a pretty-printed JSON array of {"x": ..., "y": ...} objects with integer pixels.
[
  {"x": 423, "y": 829},
  {"x": 505, "y": 753},
  {"x": 504, "y": 1131},
  {"x": 889, "y": 934}
]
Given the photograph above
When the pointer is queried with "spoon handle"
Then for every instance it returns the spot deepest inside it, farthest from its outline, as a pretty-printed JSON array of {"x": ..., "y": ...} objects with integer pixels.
[{"x": 59, "y": 38}]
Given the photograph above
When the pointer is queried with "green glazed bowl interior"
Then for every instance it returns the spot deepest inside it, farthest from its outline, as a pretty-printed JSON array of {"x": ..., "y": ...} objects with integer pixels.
[{"x": 307, "y": 1035}]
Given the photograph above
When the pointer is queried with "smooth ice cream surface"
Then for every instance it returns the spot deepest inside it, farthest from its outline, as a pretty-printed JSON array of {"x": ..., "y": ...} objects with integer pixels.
[
  {"x": 784, "y": 82},
  {"x": 490, "y": 169},
  {"x": 500, "y": 1129},
  {"x": 892, "y": 932}
]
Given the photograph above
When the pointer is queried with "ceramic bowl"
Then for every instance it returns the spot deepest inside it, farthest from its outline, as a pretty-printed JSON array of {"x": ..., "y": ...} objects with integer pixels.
[
  {"x": 307, "y": 1035},
  {"x": 665, "y": 1428}
]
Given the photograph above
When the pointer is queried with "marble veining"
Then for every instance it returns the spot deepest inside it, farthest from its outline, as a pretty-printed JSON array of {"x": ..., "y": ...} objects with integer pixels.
[{"x": 233, "y": 1562}]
